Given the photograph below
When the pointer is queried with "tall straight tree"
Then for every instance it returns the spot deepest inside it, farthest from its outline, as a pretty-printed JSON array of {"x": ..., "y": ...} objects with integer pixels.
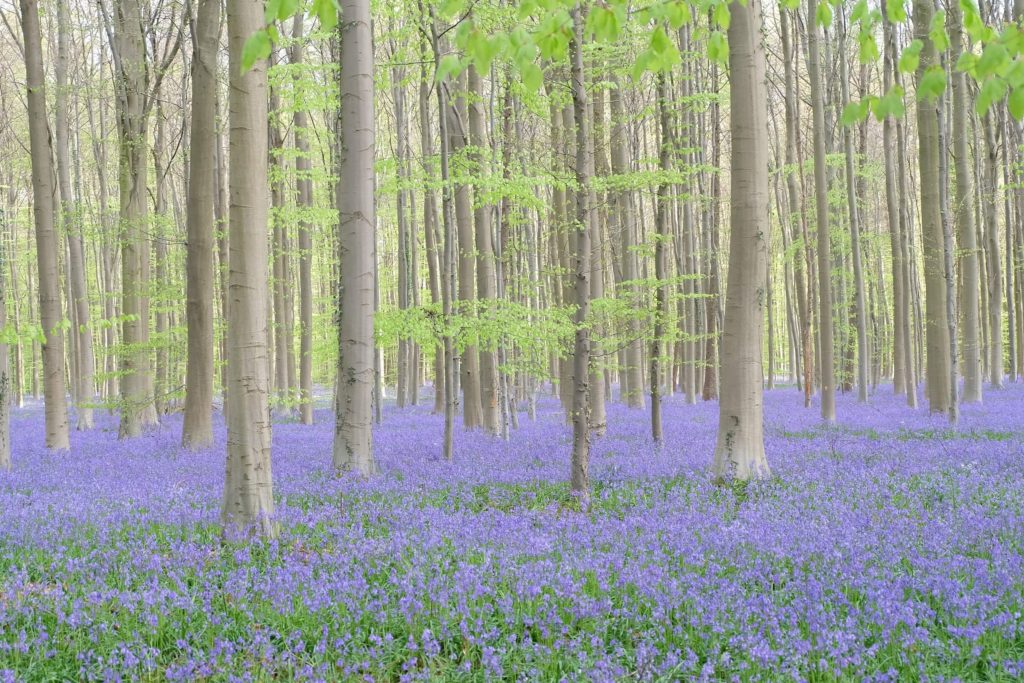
[
  {"x": 661, "y": 219},
  {"x": 47, "y": 250},
  {"x": 739, "y": 451},
  {"x": 248, "y": 486},
  {"x": 936, "y": 320},
  {"x": 353, "y": 442},
  {"x": 967, "y": 240},
  {"x": 304, "y": 198},
  {"x": 197, "y": 427},
  {"x": 827, "y": 351},
  {"x": 6, "y": 385},
  {"x": 581, "y": 249},
  {"x": 79, "y": 304}
]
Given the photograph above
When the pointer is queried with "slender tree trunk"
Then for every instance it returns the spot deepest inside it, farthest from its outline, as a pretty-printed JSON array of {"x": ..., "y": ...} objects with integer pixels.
[
  {"x": 5, "y": 377},
  {"x": 937, "y": 331},
  {"x": 485, "y": 279},
  {"x": 580, "y": 468},
  {"x": 632, "y": 382},
  {"x": 430, "y": 231},
  {"x": 353, "y": 441},
  {"x": 82, "y": 332},
  {"x": 860, "y": 305},
  {"x": 248, "y": 488},
  {"x": 660, "y": 274},
  {"x": 197, "y": 427},
  {"x": 304, "y": 198},
  {"x": 47, "y": 249},
  {"x": 967, "y": 246},
  {"x": 739, "y": 451},
  {"x": 825, "y": 340}
]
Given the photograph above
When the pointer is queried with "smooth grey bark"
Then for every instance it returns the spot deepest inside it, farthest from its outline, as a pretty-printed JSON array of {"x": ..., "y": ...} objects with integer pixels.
[
  {"x": 304, "y": 199},
  {"x": 633, "y": 378},
  {"x": 860, "y": 303},
  {"x": 47, "y": 249},
  {"x": 197, "y": 425},
  {"x": 78, "y": 294},
  {"x": 581, "y": 250},
  {"x": 936, "y": 322},
  {"x": 353, "y": 438},
  {"x": 5, "y": 375},
  {"x": 825, "y": 339},
  {"x": 430, "y": 236},
  {"x": 739, "y": 451},
  {"x": 491, "y": 418},
  {"x": 661, "y": 236},
  {"x": 967, "y": 245},
  {"x": 992, "y": 258},
  {"x": 248, "y": 505}
]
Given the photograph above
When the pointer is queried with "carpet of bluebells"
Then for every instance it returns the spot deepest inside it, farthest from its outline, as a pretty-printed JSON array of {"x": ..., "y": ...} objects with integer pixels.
[{"x": 886, "y": 547}]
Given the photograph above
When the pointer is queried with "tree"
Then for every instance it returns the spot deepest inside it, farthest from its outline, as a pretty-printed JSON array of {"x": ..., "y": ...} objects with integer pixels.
[
  {"x": 936, "y": 320},
  {"x": 353, "y": 442},
  {"x": 248, "y": 487},
  {"x": 825, "y": 339},
  {"x": 43, "y": 193},
  {"x": 581, "y": 249},
  {"x": 197, "y": 427},
  {"x": 304, "y": 198},
  {"x": 739, "y": 451}
]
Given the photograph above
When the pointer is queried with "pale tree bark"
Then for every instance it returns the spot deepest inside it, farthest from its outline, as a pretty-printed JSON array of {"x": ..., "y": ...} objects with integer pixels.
[
  {"x": 892, "y": 201},
  {"x": 739, "y": 452},
  {"x": 485, "y": 277},
  {"x": 825, "y": 340},
  {"x": 967, "y": 245},
  {"x": 660, "y": 270},
  {"x": 632, "y": 376},
  {"x": 992, "y": 260},
  {"x": 581, "y": 248},
  {"x": 5, "y": 376},
  {"x": 431, "y": 238},
  {"x": 353, "y": 441},
  {"x": 248, "y": 487},
  {"x": 937, "y": 331},
  {"x": 860, "y": 303},
  {"x": 81, "y": 333},
  {"x": 197, "y": 427},
  {"x": 304, "y": 199},
  {"x": 403, "y": 366},
  {"x": 47, "y": 249}
]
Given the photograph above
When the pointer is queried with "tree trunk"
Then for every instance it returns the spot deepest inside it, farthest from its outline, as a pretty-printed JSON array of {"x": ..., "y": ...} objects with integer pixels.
[
  {"x": 967, "y": 246},
  {"x": 580, "y": 467},
  {"x": 353, "y": 439},
  {"x": 81, "y": 333},
  {"x": 5, "y": 377},
  {"x": 633, "y": 379},
  {"x": 248, "y": 488},
  {"x": 485, "y": 278},
  {"x": 739, "y": 452},
  {"x": 304, "y": 198},
  {"x": 197, "y": 427},
  {"x": 860, "y": 304},
  {"x": 825, "y": 341},
  {"x": 43, "y": 193},
  {"x": 660, "y": 274},
  {"x": 937, "y": 331}
]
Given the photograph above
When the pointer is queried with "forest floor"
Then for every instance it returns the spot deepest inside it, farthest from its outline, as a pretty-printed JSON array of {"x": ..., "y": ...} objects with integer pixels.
[{"x": 886, "y": 547}]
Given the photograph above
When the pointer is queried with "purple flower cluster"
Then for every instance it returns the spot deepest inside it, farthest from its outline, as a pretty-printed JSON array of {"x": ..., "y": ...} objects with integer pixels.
[{"x": 887, "y": 547}]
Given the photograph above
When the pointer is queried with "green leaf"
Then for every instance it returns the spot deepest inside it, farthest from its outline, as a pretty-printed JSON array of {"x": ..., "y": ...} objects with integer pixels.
[
  {"x": 993, "y": 58},
  {"x": 992, "y": 90},
  {"x": 855, "y": 112},
  {"x": 718, "y": 47},
  {"x": 256, "y": 48},
  {"x": 824, "y": 14},
  {"x": 911, "y": 57},
  {"x": 896, "y": 11},
  {"x": 967, "y": 62},
  {"x": 270, "y": 10},
  {"x": 327, "y": 12},
  {"x": 722, "y": 17},
  {"x": 933, "y": 83},
  {"x": 603, "y": 24},
  {"x": 889, "y": 104},
  {"x": 860, "y": 11},
  {"x": 937, "y": 31},
  {"x": 868, "y": 53},
  {"x": 533, "y": 77},
  {"x": 286, "y": 9},
  {"x": 1016, "y": 103},
  {"x": 448, "y": 65}
]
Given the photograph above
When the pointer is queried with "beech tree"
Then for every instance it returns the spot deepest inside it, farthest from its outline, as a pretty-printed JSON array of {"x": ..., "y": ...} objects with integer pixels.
[{"x": 248, "y": 487}]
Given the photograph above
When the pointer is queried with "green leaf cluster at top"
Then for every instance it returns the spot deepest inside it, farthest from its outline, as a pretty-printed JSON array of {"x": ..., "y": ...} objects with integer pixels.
[{"x": 258, "y": 46}]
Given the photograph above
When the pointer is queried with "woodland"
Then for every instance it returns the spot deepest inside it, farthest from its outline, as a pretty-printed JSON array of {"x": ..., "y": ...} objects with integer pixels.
[{"x": 483, "y": 340}]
